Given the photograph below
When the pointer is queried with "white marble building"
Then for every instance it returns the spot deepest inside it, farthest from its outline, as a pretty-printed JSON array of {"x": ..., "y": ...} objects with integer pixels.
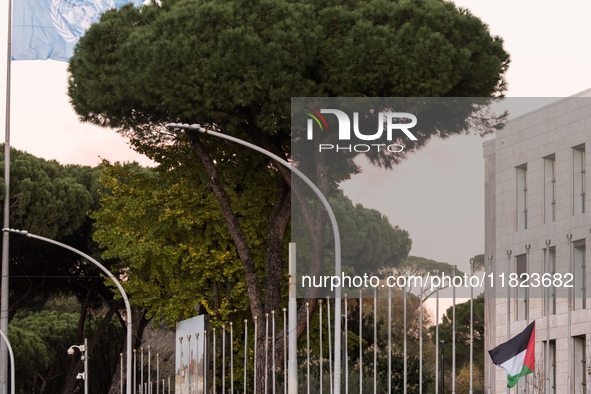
[{"x": 538, "y": 190}]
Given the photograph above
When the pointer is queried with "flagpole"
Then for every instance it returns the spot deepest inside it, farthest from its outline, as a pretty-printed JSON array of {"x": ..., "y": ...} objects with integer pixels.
[
  {"x": 471, "y": 326},
  {"x": 404, "y": 334},
  {"x": 569, "y": 237},
  {"x": 527, "y": 248},
  {"x": 508, "y": 303},
  {"x": 5, "y": 272},
  {"x": 546, "y": 290},
  {"x": 453, "y": 338},
  {"x": 421, "y": 342},
  {"x": 489, "y": 298},
  {"x": 437, "y": 340}
]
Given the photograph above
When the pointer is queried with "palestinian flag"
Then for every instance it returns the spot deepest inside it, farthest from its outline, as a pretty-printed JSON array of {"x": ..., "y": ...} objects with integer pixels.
[{"x": 517, "y": 356}]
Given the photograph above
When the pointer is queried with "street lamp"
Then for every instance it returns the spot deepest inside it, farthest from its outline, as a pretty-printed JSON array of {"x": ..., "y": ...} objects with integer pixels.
[
  {"x": 109, "y": 274},
  {"x": 84, "y": 357},
  {"x": 337, "y": 243}
]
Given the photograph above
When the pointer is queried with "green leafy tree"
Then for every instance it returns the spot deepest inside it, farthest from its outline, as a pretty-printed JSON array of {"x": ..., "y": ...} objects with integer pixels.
[
  {"x": 369, "y": 243},
  {"x": 40, "y": 342},
  {"x": 52, "y": 200},
  {"x": 234, "y": 65},
  {"x": 463, "y": 338},
  {"x": 164, "y": 227},
  {"x": 423, "y": 267}
]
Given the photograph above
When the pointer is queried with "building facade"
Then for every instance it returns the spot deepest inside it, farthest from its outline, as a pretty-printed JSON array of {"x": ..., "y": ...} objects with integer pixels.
[{"x": 538, "y": 226}]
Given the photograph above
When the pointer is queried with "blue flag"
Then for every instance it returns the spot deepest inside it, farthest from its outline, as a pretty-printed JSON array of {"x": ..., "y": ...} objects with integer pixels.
[{"x": 49, "y": 29}]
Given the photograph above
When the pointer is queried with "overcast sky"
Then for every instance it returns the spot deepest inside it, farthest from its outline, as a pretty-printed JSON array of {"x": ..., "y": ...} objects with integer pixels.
[{"x": 443, "y": 211}]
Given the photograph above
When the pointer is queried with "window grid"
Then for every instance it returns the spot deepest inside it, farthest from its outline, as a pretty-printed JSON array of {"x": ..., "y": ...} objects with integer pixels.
[
  {"x": 583, "y": 180},
  {"x": 553, "y": 190},
  {"x": 550, "y": 189},
  {"x": 521, "y": 197},
  {"x": 579, "y": 181}
]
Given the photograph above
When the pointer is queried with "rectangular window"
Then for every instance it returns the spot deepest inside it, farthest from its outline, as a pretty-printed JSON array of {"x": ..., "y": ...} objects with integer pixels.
[
  {"x": 550, "y": 291},
  {"x": 521, "y": 206},
  {"x": 580, "y": 273},
  {"x": 579, "y": 179},
  {"x": 550, "y": 189},
  {"x": 580, "y": 364},
  {"x": 521, "y": 269}
]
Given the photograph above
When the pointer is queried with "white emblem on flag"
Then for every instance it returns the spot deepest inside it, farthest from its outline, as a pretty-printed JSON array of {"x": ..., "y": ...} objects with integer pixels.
[{"x": 72, "y": 18}]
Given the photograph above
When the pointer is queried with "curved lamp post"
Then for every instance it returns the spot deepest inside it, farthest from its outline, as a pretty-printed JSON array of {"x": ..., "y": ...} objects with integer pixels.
[
  {"x": 335, "y": 229},
  {"x": 109, "y": 274},
  {"x": 12, "y": 380}
]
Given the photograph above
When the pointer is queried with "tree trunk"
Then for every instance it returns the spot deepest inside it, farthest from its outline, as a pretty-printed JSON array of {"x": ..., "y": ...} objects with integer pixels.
[{"x": 276, "y": 229}]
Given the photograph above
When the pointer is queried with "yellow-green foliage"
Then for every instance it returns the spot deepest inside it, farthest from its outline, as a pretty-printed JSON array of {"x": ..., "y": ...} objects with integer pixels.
[{"x": 167, "y": 229}]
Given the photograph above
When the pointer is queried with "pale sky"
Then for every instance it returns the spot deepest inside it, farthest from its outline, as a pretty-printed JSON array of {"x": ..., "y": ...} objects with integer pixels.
[{"x": 444, "y": 212}]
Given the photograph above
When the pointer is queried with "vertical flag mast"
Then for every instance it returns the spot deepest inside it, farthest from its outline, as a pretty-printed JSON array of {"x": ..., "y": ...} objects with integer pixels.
[{"x": 4, "y": 283}]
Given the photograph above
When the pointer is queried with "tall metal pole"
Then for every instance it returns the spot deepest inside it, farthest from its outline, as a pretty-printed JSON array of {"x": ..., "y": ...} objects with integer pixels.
[
  {"x": 307, "y": 347},
  {"x": 570, "y": 308},
  {"x": 346, "y": 347},
  {"x": 488, "y": 298},
  {"x": 255, "y": 357},
  {"x": 273, "y": 349},
  {"x": 150, "y": 358},
  {"x": 390, "y": 340},
  {"x": 437, "y": 337},
  {"x": 421, "y": 341},
  {"x": 196, "y": 363},
  {"x": 12, "y": 368},
  {"x": 329, "y": 343},
  {"x": 442, "y": 367},
  {"x": 527, "y": 248},
  {"x": 360, "y": 342},
  {"x": 335, "y": 230},
  {"x": 188, "y": 377},
  {"x": 231, "y": 358},
  {"x": 4, "y": 305},
  {"x": 109, "y": 274},
  {"x": 508, "y": 303},
  {"x": 134, "y": 371},
  {"x": 404, "y": 335},
  {"x": 245, "y": 351},
  {"x": 85, "y": 353},
  {"x": 224, "y": 359},
  {"x": 547, "y": 307},
  {"x": 375, "y": 341},
  {"x": 292, "y": 373},
  {"x": 453, "y": 338},
  {"x": 266, "y": 351},
  {"x": 320, "y": 346},
  {"x": 471, "y": 327},
  {"x": 213, "y": 330},
  {"x": 285, "y": 350},
  {"x": 205, "y": 361}
]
